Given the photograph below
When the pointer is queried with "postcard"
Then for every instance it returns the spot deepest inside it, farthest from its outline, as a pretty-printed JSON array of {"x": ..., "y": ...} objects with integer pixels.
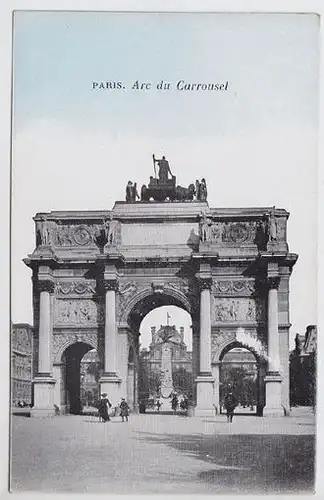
[{"x": 164, "y": 252}]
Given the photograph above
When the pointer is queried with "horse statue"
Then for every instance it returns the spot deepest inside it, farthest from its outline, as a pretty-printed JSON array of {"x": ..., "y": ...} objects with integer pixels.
[{"x": 183, "y": 194}]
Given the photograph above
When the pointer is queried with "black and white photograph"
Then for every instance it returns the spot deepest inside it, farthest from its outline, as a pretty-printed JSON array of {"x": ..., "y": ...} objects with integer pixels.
[{"x": 164, "y": 197}]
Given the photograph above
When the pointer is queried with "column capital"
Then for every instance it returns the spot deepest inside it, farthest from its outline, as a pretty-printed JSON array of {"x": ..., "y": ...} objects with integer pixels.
[
  {"x": 273, "y": 282},
  {"x": 110, "y": 285},
  {"x": 204, "y": 283},
  {"x": 45, "y": 286}
]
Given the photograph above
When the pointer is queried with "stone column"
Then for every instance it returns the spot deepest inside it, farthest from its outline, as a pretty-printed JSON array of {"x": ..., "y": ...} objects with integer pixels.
[
  {"x": 130, "y": 385},
  {"x": 273, "y": 379},
  {"x": 215, "y": 373},
  {"x": 44, "y": 382},
  {"x": 110, "y": 381},
  {"x": 205, "y": 381}
]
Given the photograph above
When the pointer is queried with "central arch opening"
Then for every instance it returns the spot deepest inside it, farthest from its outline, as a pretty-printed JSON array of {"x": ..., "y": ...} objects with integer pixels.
[{"x": 165, "y": 370}]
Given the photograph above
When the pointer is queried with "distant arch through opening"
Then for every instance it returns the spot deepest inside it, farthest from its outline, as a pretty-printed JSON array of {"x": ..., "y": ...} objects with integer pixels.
[{"x": 239, "y": 372}]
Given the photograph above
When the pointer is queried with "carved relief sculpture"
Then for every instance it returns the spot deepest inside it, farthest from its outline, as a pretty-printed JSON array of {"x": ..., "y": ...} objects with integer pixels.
[
  {"x": 81, "y": 287},
  {"x": 217, "y": 232},
  {"x": 78, "y": 312},
  {"x": 243, "y": 310},
  {"x": 239, "y": 232},
  {"x": 126, "y": 292},
  {"x": 62, "y": 340},
  {"x": 77, "y": 235},
  {"x": 247, "y": 338},
  {"x": 226, "y": 232},
  {"x": 230, "y": 287},
  {"x": 220, "y": 338}
]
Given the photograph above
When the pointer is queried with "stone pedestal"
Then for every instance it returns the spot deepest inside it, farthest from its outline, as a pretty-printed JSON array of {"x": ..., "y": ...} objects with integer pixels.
[
  {"x": 205, "y": 389},
  {"x": 111, "y": 385},
  {"x": 43, "y": 397},
  {"x": 273, "y": 407}
]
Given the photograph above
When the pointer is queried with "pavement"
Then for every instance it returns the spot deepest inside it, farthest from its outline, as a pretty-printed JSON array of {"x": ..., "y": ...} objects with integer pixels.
[{"x": 164, "y": 454}]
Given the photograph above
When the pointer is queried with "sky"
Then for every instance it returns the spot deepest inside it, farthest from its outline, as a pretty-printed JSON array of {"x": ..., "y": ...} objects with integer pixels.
[{"x": 75, "y": 148}]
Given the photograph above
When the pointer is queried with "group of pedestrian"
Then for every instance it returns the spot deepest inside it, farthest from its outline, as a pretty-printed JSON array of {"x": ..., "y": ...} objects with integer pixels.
[
  {"x": 230, "y": 403},
  {"x": 104, "y": 406}
]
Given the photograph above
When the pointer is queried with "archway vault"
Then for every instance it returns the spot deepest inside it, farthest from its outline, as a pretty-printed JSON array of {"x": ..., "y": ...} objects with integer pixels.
[
  {"x": 225, "y": 340},
  {"x": 152, "y": 297},
  {"x": 61, "y": 341}
]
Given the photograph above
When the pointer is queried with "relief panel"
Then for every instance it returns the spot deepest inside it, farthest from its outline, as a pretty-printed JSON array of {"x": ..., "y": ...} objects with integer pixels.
[
  {"x": 84, "y": 312},
  {"x": 238, "y": 310},
  {"x": 233, "y": 287}
]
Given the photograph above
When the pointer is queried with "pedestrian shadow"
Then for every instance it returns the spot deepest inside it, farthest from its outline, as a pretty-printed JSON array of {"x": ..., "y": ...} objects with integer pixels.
[{"x": 97, "y": 421}]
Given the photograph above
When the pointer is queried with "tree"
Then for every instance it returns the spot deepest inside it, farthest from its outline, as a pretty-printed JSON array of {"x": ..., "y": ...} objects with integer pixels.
[
  {"x": 240, "y": 381},
  {"x": 143, "y": 379},
  {"x": 183, "y": 381},
  {"x": 312, "y": 379},
  {"x": 94, "y": 369},
  {"x": 154, "y": 382}
]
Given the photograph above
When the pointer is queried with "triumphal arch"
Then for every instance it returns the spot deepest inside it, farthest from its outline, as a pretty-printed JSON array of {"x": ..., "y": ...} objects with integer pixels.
[{"x": 96, "y": 274}]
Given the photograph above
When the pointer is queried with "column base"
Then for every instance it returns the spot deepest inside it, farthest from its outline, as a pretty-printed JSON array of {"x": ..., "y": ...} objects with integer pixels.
[
  {"x": 43, "y": 397},
  {"x": 273, "y": 406},
  {"x": 273, "y": 412},
  {"x": 42, "y": 412},
  {"x": 110, "y": 383},
  {"x": 205, "y": 390}
]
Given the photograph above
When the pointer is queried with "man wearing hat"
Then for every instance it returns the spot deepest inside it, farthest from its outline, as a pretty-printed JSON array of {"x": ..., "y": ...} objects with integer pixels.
[{"x": 104, "y": 404}]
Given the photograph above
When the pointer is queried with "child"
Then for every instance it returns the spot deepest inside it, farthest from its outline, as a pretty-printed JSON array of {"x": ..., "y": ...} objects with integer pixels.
[{"x": 124, "y": 409}]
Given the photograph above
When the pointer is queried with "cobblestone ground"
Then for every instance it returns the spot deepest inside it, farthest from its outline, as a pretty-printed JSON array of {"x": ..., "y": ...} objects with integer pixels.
[{"x": 163, "y": 454}]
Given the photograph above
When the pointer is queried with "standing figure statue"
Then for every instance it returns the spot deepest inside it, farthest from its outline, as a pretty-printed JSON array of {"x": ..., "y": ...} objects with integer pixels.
[
  {"x": 205, "y": 227},
  {"x": 135, "y": 192},
  {"x": 110, "y": 227},
  {"x": 197, "y": 189},
  {"x": 261, "y": 234},
  {"x": 45, "y": 237},
  {"x": 131, "y": 192},
  {"x": 272, "y": 226},
  {"x": 201, "y": 190},
  {"x": 144, "y": 193},
  {"x": 164, "y": 169}
]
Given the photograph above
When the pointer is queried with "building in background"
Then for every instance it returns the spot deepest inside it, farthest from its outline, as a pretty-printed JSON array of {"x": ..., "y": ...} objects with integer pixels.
[
  {"x": 303, "y": 368},
  {"x": 21, "y": 363},
  {"x": 239, "y": 374},
  {"x": 150, "y": 369},
  {"x": 89, "y": 378}
]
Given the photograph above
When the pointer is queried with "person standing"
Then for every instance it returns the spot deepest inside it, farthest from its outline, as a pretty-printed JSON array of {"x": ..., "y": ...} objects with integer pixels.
[
  {"x": 174, "y": 403},
  {"x": 104, "y": 405},
  {"x": 230, "y": 404},
  {"x": 124, "y": 409}
]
